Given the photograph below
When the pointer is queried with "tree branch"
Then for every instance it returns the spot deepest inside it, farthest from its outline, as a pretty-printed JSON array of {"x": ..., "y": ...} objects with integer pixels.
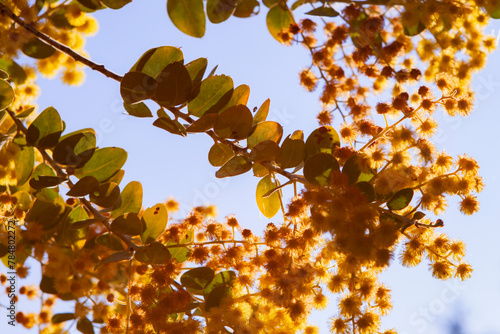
[{"x": 4, "y": 10}]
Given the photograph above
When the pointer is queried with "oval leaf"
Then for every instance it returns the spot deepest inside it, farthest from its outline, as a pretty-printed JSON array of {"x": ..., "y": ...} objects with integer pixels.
[
  {"x": 318, "y": 168},
  {"x": 104, "y": 163},
  {"x": 138, "y": 110},
  {"x": 219, "y": 154},
  {"x": 76, "y": 148},
  {"x": 106, "y": 195},
  {"x": 278, "y": 18},
  {"x": 401, "y": 199},
  {"x": 235, "y": 166},
  {"x": 268, "y": 130},
  {"x": 204, "y": 123},
  {"x": 323, "y": 11},
  {"x": 215, "y": 93},
  {"x": 264, "y": 151},
  {"x": 153, "y": 61},
  {"x": 155, "y": 253},
  {"x": 356, "y": 170},
  {"x": 174, "y": 85},
  {"x": 155, "y": 220},
  {"x": 127, "y": 224},
  {"x": 136, "y": 87},
  {"x": 234, "y": 123},
  {"x": 110, "y": 241},
  {"x": 197, "y": 278},
  {"x": 220, "y": 10},
  {"x": 45, "y": 130},
  {"x": 37, "y": 49},
  {"x": 270, "y": 205},
  {"x": 62, "y": 317},
  {"x": 83, "y": 187},
  {"x": 188, "y": 16},
  {"x": 131, "y": 199},
  {"x": 322, "y": 140},
  {"x": 6, "y": 94},
  {"x": 291, "y": 153}
]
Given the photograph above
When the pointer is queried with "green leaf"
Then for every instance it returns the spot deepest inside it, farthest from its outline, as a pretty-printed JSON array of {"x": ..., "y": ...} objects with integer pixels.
[
  {"x": 116, "y": 257},
  {"x": 418, "y": 215},
  {"x": 37, "y": 49},
  {"x": 262, "y": 113},
  {"x": 90, "y": 5},
  {"x": 322, "y": 140},
  {"x": 356, "y": 170},
  {"x": 83, "y": 187},
  {"x": 268, "y": 130},
  {"x": 62, "y": 317},
  {"x": 414, "y": 30},
  {"x": 219, "y": 154},
  {"x": 269, "y": 206},
  {"x": 235, "y": 166},
  {"x": 115, "y": 4},
  {"x": 240, "y": 96},
  {"x": 246, "y": 8},
  {"x": 45, "y": 213},
  {"x": 174, "y": 85},
  {"x": 128, "y": 224},
  {"x": 155, "y": 253},
  {"x": 319, "y": 167},
  {"x": 138, "y": 109},
  {"x": 220, "y": 10},
  {"x": 4, "y": 75},
  {"x": 217, "y": 296},
  {"x": 40, "y": 181},
  {"x": 297, "y": 4},
  {"x": 106, "y": 195},
  {"x": 188, "y": 16},
  {"x": 278, "y": 18},
  {"x": 367, "y": 190},
  {"x": 75, "y": 148},
  {"x": 259, "y": 170},
  {"x": 84, "y": 325},
  {"x": 270, "y": 3},
  {"x": 198, "y": 278},
  {"x": 7, "y": 94},
  {"x": 196, "y": 70},
  {"x": 45, "y": 130},
  {"x": 59, "y": 20},
  {"x": 137, "y": 86},
  {"x": 204, "y": 123},
  {"x": 23, "y": 200},
  {"x": 16, "y": 72},
  {"x": 172, "y": 126},
  {"x": 153, "y": 61},
  {"x": 323, "y": 11},
  {"x": 400, "y": 199},
  {"x": 131, "y": 199},
  {"x": 155, "y": 219},
  {"x": 291, "y": 153},
  {"x": 104, "y": 163},
  {"x": 24, "y": 160},
  {"x": 225, "y": 278},
  {"x": 234, "y": 123},
  {"x": 110, "y": 241},
  {"x": 76, "y": 215},
  {"x": 83, "y": 223},
  {"x": 266, "y": 150},
  {"x": 26, "y": 112},
  {"x": 215, "y": 93}
]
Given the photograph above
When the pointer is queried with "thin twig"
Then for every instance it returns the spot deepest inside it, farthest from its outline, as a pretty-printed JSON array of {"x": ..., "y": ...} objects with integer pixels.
[{"x": 4, "y": 10}]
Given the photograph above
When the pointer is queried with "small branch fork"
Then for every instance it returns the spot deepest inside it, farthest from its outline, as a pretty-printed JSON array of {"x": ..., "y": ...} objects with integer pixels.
[{"x": 4, "y": 10}]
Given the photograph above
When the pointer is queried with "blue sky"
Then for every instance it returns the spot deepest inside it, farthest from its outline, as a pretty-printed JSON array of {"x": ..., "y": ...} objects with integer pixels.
[{"x": 168, "y": 165}]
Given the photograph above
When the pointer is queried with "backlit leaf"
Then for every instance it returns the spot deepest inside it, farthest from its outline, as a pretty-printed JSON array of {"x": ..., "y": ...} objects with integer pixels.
[
  {"x": 323, "y": 11},
  {"x": 155, "y": 219},
  {"x": 127, "y": 224},
  {"x": 110, "y": 241},
  {"x": 16, "y": 72},
  {"x": 220, "y": 10},
  {"x": 6, "y": 94},
  {"x": 84, "y": 186},
  {"x": 278, "y": 18},
  {"x": 268, "y": 130},
  {"x": 131, "y": 199},
  {"x": 198, "y": 278},
  {"x": 115, "y": 4},
  {"x": 188, "y": 16},
  {"x": 24, "y": 160},
  {"x": 234, "y": 123},
  {"x": 318, "y": 168},
  {"x": 215, "y": 93},
  {"x": 45, "y": 130},
  {"x": 104, "y": 163},
  {"x": 270, "y": 205},
  {"x": 400, "y": 199},
  {"x": 240, "y": 96},
  {"x": 291, "y": 153},
  {"x": 62, "y": 317},
  {"x": 37, "y": 49},
  {"x": 322, "y": 140},
  {"x": 106, "y": 195},
  {"x": 153, "y": 61},
  {"x": 264, "y": 151},
  {"x": 235, "y": 166},
  {"x": 155, "y": 253},
  {"x": 174, "y": 85},
  {"x": 204, "y": 123},
  {"x": 170, "y": 125},
  {"x": 84, "y": 325},
  {"x": 357, "y": 170},
  {"x": 137, "y": 86},
  {"x": 138, "y": 109},
  {"x": 116, "y": 257},
  {"x": 219, "y": 154},
  {"x": 262, "y": 113},
  {"x": 76, "y": 148},
  {"x": 246, "y": 8}
]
